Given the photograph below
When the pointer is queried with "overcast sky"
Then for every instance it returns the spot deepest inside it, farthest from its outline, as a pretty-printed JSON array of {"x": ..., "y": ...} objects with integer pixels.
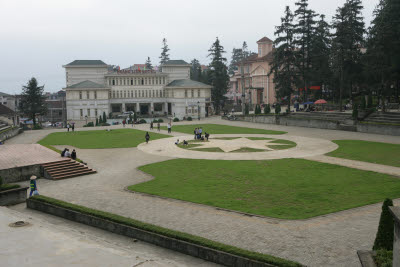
[{"x": 38, "y": 37}]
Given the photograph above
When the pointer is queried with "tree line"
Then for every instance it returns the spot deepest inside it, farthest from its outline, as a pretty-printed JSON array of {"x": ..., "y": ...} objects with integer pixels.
[{"x": 343, "y": 58}]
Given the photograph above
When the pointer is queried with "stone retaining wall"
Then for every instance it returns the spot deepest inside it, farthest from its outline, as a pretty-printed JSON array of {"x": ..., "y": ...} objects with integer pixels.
[
  {"x": 324, "y": 124},
  {"x": 194, "y": 250},
  {"x": 10, "y": 133},
  {"x": 13, "y": 196},
  {"x": 19, "y": 174}
]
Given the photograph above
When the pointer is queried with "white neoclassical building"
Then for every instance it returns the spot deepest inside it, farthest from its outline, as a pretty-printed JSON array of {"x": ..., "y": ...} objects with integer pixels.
[{"x": 93, "y": 87}]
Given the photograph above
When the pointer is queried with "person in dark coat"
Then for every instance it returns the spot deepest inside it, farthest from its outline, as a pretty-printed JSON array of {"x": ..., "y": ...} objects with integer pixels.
[
  {"x": 147, "y": 137},
  {"x": 73, "y": 154},
  {"x": 73, "y": 127}
]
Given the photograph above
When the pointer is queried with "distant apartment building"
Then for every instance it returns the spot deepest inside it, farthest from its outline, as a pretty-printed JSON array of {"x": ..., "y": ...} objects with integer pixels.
[
  {"x": 258, "y": 85},
  {"x": 92, "y": 87}
]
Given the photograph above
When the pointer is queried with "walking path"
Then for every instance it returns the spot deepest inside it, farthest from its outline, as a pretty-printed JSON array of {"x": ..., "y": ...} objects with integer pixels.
[{"x": 329, "y": 240}]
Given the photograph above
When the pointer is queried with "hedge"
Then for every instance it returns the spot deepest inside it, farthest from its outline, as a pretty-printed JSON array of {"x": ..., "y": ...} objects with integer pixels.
[
  {"x": 5, "y": 187},
  {"x": 169, "y": 233}
]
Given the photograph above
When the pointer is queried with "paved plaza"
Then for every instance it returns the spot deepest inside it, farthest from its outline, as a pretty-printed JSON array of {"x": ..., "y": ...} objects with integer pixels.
[{"x": 329, "y": 240}]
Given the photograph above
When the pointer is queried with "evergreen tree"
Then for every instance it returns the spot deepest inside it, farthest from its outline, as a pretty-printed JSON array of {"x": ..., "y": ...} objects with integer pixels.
[
  {"x": 246, "y": 109},
  {"x": 284, "y": 60},
  {"x": 148, "y": 64},
  {"x": 348, "y": 41},
  {"x": 304, "y": 32},
  {"x": 164, "y": 53},
  {"x": 267, "y": 109},
  {"x": 33, "y": 100},
  {"x": 195, "y": 70},
  {"x": 384, "y": 236},
  {"x": 277, "y": 108},
  {"x": 321, "y": 73},
  {"x": 104, "y": 117},
  {"x": 97, "y": 122},
  {"x": 236, "y": 58},
  {"x": 219, "y": 74}
]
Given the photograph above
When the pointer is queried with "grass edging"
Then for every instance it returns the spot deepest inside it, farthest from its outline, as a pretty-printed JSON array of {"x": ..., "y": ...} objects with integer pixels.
[
  {"x": 59, "y": 151},
  {"x": 268, "y": 259},
  {"x": 5, "y": 187}
]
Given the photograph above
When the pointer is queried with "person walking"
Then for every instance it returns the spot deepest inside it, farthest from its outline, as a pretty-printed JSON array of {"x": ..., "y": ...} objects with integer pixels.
[
  {"x": 151, "y": 125},
  {"x": 67, "y": 127},
  {"x": 147, "y": 137},
  {"x": 195, "y": 133},
  {"x": 123, "y": 123},
  {"x": 158, "y": 126},
  {"x": 207, "y": 135},
  {"x": 169, "y": 127},
  {"x": 73, "y": 126},
  {"x": 33, "y": 186}
]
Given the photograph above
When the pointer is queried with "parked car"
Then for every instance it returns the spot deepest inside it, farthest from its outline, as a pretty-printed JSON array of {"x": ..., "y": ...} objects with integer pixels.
[{"x": 126, "y": 114}]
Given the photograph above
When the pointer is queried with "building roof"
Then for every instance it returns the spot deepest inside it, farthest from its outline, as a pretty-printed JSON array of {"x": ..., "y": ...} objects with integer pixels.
[
  {"x": 264, "y": 40},
  {"x": 4, "y": 94},
  {"x": 176, "y": 62},
  {"x": 5, "y": 110},
  {"x": 86, "y": 63},
  {"x": 186, "y": 83},
  {"x": 87, "y": 84}
]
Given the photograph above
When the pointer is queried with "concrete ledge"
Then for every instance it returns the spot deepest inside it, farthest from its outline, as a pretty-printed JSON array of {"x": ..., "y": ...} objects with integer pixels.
[
  {"x": 13, "y": 196},
  {"x": 19, "y": 174},
  {"x": 366, "y": 258},
  {"x": 9, "y": 133},
  {"x": 191, "y": 249}
]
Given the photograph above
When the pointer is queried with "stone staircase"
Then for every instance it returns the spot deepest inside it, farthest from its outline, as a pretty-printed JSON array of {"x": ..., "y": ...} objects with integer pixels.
[
  {"x": 3, "y": 126},
  {"x": 384, "y": 117},
  {"x": 65, "y": 169}
]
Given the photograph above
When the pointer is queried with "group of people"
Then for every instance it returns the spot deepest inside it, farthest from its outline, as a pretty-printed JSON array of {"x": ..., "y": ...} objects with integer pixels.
[
  {"x": 198, "y": 134},
  {"x": 70, "y": 126},
  {"x": 65, "y": 153},
  {"x": 152, "y": 126}
]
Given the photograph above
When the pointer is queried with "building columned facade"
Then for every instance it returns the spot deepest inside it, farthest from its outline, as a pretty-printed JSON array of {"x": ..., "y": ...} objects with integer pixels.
[
  {"x": 258, "y": 85},
  {"x": 94, "y": 88}
]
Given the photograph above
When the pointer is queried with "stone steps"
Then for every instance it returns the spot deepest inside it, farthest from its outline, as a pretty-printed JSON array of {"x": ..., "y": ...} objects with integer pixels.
[{"x": 65, "y": 169}]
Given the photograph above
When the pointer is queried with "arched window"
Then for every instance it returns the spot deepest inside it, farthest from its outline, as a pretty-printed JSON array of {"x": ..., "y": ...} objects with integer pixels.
[{"x": 113, "y": 82}]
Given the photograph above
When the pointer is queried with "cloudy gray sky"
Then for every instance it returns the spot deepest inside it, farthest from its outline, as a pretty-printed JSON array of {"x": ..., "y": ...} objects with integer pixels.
[{"x": 38, "y": 37}]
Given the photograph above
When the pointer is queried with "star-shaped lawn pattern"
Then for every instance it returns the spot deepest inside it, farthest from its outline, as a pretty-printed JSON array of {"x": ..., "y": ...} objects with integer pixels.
[{"x": 236, "y": 144}]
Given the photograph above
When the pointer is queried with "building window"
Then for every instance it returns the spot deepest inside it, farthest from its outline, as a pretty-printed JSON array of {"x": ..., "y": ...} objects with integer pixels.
[
  {"x": 95, "y": 95},
  {"x": 186, "y": 110},
  {"x": 95, "y": 112},
  {"x": 142, "y": 81},
  {"x": 161, "y": 93},
  {"x": 186, "y": 94},
  {"x": 163, "y": 80},
  {"x": 81, "y": 112},
  {"x": 113, "y": 94},
  {"x": 131, "y": 81},
  {"x": 80, "y": 94},
  {"x": 198, "y": 92},
  {"x": 113, "y": 82},
  {"x": 87, "y": 95},
  {"x": 88, "y": 112},
  {"x": 109, "y": 94},
  {"x": 147, "y": 93},
  {"x": 124, "y": 94},
  {"x": 192, "y": 93},
  {"x": 135, "y": 94},
  {"x": 259, "y": 51}
]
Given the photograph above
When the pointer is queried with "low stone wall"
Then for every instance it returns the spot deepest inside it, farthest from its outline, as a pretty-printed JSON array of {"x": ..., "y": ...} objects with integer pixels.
[
  {"x": 10, "y": 133},
  {"x": 194, "y": 250},
  {"x": 19, "y": 174},
  {"x": 378, "y": 129},
  {"x": 13, "y": 196},
  {"x": 324, "y": 124}
]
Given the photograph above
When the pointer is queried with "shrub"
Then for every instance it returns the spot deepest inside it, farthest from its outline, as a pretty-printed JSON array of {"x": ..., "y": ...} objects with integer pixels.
[
  {"x": 355, "y": 112},
  {"x": 97, "y": 121},
  {"x": 169, "y": 233},
  {"x": 189, "y": 118},
  {"x": 104, "y": 117},
  {"x": 277, "y": 108},
  {"x": 104, "y": 124},
  {"x": 267, "y": 109},
  {"x": 384, "y": 258},
  {"x": 37, "y": 127},
  {"x": 384, "y": 237},
  {"x": 246, "y": 109},
  {"x": 1, "y": 181},
  {"x": 160, "y": 120},
  {"x": 110, "y": 115},
  {"x": 142, "y": 121},
  {"x": 175, "y": 120}
]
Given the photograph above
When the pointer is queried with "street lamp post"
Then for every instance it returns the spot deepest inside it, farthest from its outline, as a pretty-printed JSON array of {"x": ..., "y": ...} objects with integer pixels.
[{"x": 198, "y": 109}]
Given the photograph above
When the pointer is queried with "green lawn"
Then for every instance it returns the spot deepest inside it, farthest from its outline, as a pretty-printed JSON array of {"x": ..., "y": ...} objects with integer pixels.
[
  {"x": 220, "y": 129},
  {"x": 286, "y": 188},
  {"x": 381, "y": 153},
  {"x": 100, "y": 139}
]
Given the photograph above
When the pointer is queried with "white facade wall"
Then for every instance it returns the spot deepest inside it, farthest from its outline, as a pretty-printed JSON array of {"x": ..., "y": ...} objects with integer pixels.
[
  {"x": 79, "y": 105},
  {"x": 76, "y": 75},
  {"x": 177, "y": 72}
]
